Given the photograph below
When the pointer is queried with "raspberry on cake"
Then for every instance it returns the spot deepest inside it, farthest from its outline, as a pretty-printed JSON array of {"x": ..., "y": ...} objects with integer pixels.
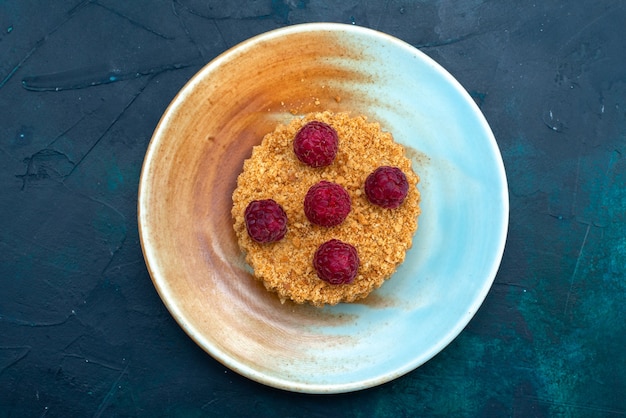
[
  {"x": 339, "y": 245},
  {"x": 386, "y": 187},
  {"x": 315, "y": 144},
  {"x": 326, "y": 204},
  {"x": 336, "y": 262},
  {"x": 265, "y": 220}
]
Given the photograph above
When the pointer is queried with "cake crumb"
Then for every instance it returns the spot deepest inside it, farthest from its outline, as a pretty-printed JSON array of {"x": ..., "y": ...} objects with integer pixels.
[{"x": 381, "y": 236}]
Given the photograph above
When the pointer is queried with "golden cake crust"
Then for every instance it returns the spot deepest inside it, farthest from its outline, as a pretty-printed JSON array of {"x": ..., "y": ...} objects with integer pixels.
[{"x": 381, "y": 236}]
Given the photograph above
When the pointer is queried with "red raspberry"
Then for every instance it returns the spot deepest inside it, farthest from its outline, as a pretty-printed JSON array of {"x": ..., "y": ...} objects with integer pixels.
[
  {"x": 316, "y": 144},
  {"x": 266, "y": 221},
  {"x": 387, "y": 187},
  {"x": 326, "y": 204},
  {"x": 336, "y": 262}
]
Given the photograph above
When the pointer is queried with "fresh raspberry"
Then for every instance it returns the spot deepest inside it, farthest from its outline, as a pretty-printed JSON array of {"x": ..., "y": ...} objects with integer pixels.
[
  {"x": 266, "y": 221},
  {"x": 316, "y": 144},
  {"x": 387, "y": 187},
  {"x": 326, "y": 204},
  {"x": 336, "y": 262}
]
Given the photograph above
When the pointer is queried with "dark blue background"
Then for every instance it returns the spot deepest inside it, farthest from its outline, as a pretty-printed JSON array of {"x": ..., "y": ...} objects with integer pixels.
[{"x": 82, "y": 87}]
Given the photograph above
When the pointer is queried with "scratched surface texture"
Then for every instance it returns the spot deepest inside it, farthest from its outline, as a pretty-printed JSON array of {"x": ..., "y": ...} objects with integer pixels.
[{"x": 82, "y": 87}]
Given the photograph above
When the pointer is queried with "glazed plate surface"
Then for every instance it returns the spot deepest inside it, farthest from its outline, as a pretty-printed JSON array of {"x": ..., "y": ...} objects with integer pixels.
[{"x": 197, "y": 152}]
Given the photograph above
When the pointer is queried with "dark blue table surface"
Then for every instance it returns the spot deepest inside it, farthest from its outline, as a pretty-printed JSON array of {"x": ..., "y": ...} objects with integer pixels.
[{"x": 82, "y": 87}]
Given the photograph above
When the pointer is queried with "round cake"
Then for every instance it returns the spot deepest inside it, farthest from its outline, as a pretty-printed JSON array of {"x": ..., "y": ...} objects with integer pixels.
[{"x": 380, "y": 235}]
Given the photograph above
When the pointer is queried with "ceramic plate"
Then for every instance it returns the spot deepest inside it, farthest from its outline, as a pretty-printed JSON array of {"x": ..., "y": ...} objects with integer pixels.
[{"x": 190, "y": 172}]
